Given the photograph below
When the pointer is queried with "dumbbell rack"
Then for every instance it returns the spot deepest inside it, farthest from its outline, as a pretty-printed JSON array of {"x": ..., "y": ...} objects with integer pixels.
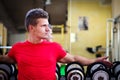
[
  {"x": 87, "y": 78},
  {"x": 94, "y": 71}
]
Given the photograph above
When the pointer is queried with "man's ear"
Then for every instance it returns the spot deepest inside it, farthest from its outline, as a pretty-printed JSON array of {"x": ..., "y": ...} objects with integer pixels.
[{"x": 30, "y": 27}]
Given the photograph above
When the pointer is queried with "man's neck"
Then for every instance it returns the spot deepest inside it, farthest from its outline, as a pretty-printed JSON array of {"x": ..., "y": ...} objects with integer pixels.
[{"x": 34, "y": 40}]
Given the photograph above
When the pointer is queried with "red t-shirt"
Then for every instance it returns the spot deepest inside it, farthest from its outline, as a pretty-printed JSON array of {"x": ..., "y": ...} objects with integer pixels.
[{"x": 36, "y": 61}]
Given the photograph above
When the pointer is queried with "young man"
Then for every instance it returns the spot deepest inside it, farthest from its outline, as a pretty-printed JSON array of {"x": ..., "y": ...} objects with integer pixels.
[{"x": 36, "y": 58}]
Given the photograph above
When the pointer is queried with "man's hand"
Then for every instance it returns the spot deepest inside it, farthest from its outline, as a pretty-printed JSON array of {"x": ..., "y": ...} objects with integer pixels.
[{"x": 104, "y": 61}]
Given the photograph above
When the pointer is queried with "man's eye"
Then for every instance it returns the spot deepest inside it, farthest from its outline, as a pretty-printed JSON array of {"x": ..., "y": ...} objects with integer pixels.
[{"x": 43, "y": 26}]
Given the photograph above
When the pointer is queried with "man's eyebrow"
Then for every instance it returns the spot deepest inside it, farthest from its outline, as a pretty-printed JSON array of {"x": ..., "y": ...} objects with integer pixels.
[{"x": 44, "y": 25}]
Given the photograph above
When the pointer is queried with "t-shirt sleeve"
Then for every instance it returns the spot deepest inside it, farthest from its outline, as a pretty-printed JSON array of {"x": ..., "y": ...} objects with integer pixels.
[
  {"x": 60, "y": 52},
  {"x": 11, "y": 52}
]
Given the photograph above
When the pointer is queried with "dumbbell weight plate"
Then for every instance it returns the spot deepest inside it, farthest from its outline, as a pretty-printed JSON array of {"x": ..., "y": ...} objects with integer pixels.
[
  {"x": 10, "y": 68},
  {"x": 57, "y": 68},
  {"x": 92, "y": 67},
  {"x": 100, "y": 74},
  {"x": 57, "y": 74},
  {"x": 117, "y": 77},
  {"x": 73, "y": 65},
  {"x": 6, "y": 67},
  {"x": 57, "y": 77},
  {"x": 13, "y": 78},
  {"x": 13, "y": 67},
  {"x": 4, "y": 75},
  {"x": 75, "y": 74},
  {"x": 116, "y": 67},
  {"x": 115, "y": 70},
  {"x": 97, "y": 65}
]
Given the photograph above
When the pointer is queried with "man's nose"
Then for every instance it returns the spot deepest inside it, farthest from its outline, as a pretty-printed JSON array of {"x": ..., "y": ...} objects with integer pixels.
[{"x": 47, "y": 28}]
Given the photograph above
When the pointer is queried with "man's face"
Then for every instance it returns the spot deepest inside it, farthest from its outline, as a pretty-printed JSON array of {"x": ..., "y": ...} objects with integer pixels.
[{"x": 42, "y": 29}]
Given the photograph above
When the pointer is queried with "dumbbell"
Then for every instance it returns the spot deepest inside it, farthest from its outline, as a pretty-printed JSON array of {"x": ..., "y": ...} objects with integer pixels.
[
  {"x": 6, "y": 71},
  {"x": 57, "y": 74},
  {"x": 14, "y": 74},
  {"x": 115, "y": 70},
  {"x": 74, "y": 71},
  {"x": 98, "y": 71}
]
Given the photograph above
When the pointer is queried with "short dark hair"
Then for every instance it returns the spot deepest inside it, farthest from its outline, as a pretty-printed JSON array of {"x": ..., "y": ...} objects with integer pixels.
[{"x": 32, "y": 16}]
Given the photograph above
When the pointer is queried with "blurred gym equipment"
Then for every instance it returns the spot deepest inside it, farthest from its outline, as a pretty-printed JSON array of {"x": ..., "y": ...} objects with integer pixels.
[
  {"x": 97, "y": 71},
  {"x": 74, "y": 71},
  {"x": 57, "y": 74},
  {"x": 7, "y": 47},
  {"x": 98, "y": 50},
  {"x": 2, "y": 52},
  {"x": 113, "y": 39},
  {"x": 115, "y": 70},
  {"x": 94, "y": 50},
  {"x": 7, "y": 71}
]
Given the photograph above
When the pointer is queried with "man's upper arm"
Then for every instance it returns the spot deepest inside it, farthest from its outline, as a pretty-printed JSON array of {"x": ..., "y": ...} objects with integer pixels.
[{"x": 68, "y": 58}]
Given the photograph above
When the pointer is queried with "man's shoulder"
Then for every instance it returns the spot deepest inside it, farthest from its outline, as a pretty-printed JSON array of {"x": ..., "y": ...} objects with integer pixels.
[
  {"x": 19, "y": 43},
  {"x": 55, "y": 43}
]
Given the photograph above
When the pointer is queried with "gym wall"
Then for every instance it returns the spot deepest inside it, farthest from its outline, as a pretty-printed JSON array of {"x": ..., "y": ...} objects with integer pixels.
[
  {"x": 63, "y": 38},
  {"x": 17, "y": 37},
  {"x": 115, "y": 8},
  {"x": 97, "y": 15}
]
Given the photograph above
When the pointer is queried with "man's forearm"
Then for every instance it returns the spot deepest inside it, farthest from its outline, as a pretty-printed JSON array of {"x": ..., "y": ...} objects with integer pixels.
[
  {"x": 83, "y": 60},
  {"x": 86, "y": 61},
  {"x": 2, "y": 58},
  {"x": 5, "y": 58}
]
